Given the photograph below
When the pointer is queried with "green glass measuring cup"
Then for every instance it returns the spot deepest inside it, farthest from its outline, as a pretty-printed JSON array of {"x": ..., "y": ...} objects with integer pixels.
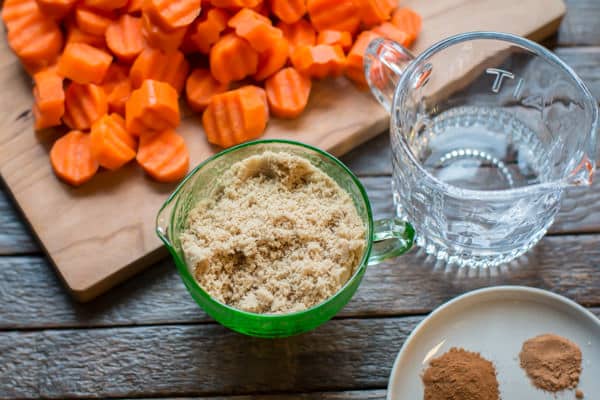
[{"x": 384, "y": 238}]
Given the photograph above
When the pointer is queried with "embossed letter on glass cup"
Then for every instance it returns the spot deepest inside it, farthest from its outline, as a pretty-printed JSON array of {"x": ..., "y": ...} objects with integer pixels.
[{"x": 487, "y": 130}]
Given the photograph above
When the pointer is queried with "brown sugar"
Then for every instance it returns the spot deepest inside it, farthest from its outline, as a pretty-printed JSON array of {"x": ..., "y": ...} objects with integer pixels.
[
  {"x": 276, "y": 235},
  {"x": 460, "y": 375}
]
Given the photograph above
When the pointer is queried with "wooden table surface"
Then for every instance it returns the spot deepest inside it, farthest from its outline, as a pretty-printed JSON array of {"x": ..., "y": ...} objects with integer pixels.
[{"x": 147, "y": 338}]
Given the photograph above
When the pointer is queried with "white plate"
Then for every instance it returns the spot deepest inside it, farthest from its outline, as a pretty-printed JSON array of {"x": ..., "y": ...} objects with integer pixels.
[{"x": 495, "y": 322}]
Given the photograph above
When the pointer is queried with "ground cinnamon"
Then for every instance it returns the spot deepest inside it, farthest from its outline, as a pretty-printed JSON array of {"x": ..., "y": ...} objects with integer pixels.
[{"x": 460, "y": 375}]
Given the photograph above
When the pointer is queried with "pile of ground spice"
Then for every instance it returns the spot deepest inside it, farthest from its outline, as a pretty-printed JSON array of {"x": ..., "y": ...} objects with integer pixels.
[
  {"x": 460, "y": 375},
  {"x": 276, "y": 235},
  {"x": 552, "y": 362}
]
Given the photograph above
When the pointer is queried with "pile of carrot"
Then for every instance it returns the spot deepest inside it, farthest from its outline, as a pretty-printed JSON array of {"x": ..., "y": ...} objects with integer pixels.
[{"x": 112, "y": 71}]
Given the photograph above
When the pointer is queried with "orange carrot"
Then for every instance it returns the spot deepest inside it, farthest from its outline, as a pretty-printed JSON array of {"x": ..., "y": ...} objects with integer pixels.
[
  {"x": 76, "y": 35},
  {"x": 124, "y": 37},
  {"x": 57, "y": 9},
  {"x": 409, "y": 22},
  {"x": 255, "y": 28},
  {"x": 84, "y": 105},
  {"x": 111, "y": 145},
  {"x": 272, "y": 60},
  {"x": 289, "y": 11},
  {"x": 117, "y": 87},
  {"x": 170, "y": 67},
  {"x": 235, "y": 3},
  {"x": 83, "y": 63},
  {"x": 287, "y": 93},
  {"x": 208, "y": 29},
  {"x": 107, "y": 5},
  {"x": 93, "y": 22},
  {"x": 390, "y": 31},
  {"x": 319, "y": 61},
  {"x": 164, "y": 156},
  {"x": 236, "y": 116},
  {"x": 172, "y": 14},
  {"x": 298, "y": 34},
  {"x": 134, "y": 6},
  {"x": 151, "y": 108},
  {"x": 374, "y": 12},
  {"x": 232, "y": 58},
  {"x": 354, "y": 60},
  {"x": 201, "y": 87},
  {"x": 161, "y": 38},
  {"x": 338, "y": 15},
  {"x": 72, "y": 159},
  {"x": 49, "y": 98},
  {"x": 343, "y": 39}
]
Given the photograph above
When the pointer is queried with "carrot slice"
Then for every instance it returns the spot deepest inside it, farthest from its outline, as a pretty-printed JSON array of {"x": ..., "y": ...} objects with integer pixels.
[
  {"x": 49, "y": 98},
  {"x": 289, "y": 11},
  {"x": 343, "y": 39},
  {"x": 208, "y": 29},
  {"x": 232, "y": 58},
  {"x": 236, "y": 116},
  {"x": 390, "y": 31},
  {"x": 172, "y": 14},
  {"x": 111, "y": 145},
  {"x": 255, "y": 28},
  {"x": 409, "y": 22},
  {"x": 319, "y": 61},
  {"x": 354, "y": 60},
  {"x": 160, "y": 38},
  {"x": 151, "y": 108},
  {"x": 374, "y": 12},
  {"x": 84, "y": 105},
  {"x": 124, "y": 37},
  {"x": 76, "y": 35},
  {"x": 298, "y": 34},
  {"x": 134, "y": 6},
  {"x": 272, "y": 60},
  {"x": 117, "y": 87},
  {"x": 83, "y": 63},
  {"x": 235, "y": 3},
  {"x": 201, "y": 87},
  {"x": 57, "y": 9},
  {"x": 107, "y": 5},
  {"x": 338, "y": 15},
  {"x": 72, "y": 159},
  {"x": 164, "y": 156},
  {"x": 170, "y": 67},
  {"x": 287, "y": 93},
  {"x": 93, "y": 22}
]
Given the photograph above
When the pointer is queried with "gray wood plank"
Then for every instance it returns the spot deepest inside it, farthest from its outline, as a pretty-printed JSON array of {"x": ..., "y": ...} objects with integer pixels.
[
  {"x": 376, "y": 394},
  {"x": 585, "y": 61},
  {"x": 580, "y": 26},
  {"x": 15, "y": 236}
]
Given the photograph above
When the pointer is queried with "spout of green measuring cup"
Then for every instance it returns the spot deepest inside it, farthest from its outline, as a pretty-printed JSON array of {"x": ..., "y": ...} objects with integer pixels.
[
  {"x": 164, "y": 218},
  {"x": 391, "y": 238}
]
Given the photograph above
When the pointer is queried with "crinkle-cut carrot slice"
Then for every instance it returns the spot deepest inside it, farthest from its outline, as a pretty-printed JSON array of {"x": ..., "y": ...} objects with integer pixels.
[
  {"x": 232, "y": 59},
  {"x": 76, "y": 35},
  {"x": 107, "y": 5},
  {"x": 409, "y": 22},
  {"x": 83, "y": 63},
  {"x": 374, "y": 12},
  {"x": 272, "y": 60},
  {"x": 160, "y": 38},
  {"x": 390, "y": 31},
  {"x": 164, "y": 156},
  {"x": 57, "y": 9},
  {"x": 319, "y": 61},
  {"x": 287, "y": 93},
  {"x": 71, "y": 158},
  {"x": 236, "y": 3},
  {"x": 170, "y": 67},
  {"x": 289, "y": 11},
  {"x": 208, "y": 29},
  {"x": 172, "y": 14},
  {"x": 112, "y": 145},
  {"x": 236, "y": 116},
  {"x": 337, "y": 15},
  {"x": 94, "y": 22},
  {"x": 49, "y": 98},
  {"x": 84, "y": 105},
  {"x": 354, "y": 60},
  {"x": 124, "y": 37},
  {"x": 343, "y": 39},
  {"x": 255, "y": 28},
  {"x": 117, "y": 87},
  {"x": 19, "y": 12},
  {"x": 201, "y": 87},
  {"x": 151, "y": 108},
  {"x": 298, "y": 34}
]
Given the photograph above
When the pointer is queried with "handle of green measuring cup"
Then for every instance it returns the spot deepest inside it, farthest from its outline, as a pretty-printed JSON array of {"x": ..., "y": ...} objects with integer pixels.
[{"x": 391, "y": 238}]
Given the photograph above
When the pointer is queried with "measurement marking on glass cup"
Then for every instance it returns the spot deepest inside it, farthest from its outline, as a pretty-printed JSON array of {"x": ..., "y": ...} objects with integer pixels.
[
  {"x": 500, "y": 75},
  {"x": 518, "y": 89}
]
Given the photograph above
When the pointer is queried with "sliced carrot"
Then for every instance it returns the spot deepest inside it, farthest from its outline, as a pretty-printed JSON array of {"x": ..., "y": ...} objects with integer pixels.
[
  {"x": 76, "y": 35},
  {"x": 232, "y": 58},
  {"x": 19, "y": 12},
  {"x": 409, "y": 22},
  {"x": 83, "y": 63},
  {"x": 72, "y": 159},
  {"x": 117, "y": 87},
  {"x": 235, "y": 3},
  {"x": 172, "y": 14},
  {"x": 319, "y": 61},
  {"x": 272, "y": 60},
  {"x": 262, "y": 8},
  {"x": 84, "y": 105},
  {"x": 151, "y": 108},
  {"x": 338, "y": 15},
  {"x": 289, "y": 11},
  {"x": 49, "y": 98},
  {"x": 287, "y": 93},
  {"x": 343, "y": 39},
  {"x": 134, "y": 6},
  {"x": 56, "y": 9},
  {"x": 390, "y": 31},
  {"x": 374, "y": 12},
  {"x": 93, "y": 21},
  {"x": 161, "y": 38},
  {"x": 112, "y": 146},
  {"x": 124, "y": 37},
  {"x": 208, "y": 29},
  {"x": 354, "y": 60},
  {"x": 107, "y": 5},
  {"x": 170, "y": 67},
  {"x": 164, "y": 156},
  {"x": 201, "y": 87},
  {"x": 236, "y": 116},
  {"x": 298, "y": 34},
  {"x": 255, "y": 28}
]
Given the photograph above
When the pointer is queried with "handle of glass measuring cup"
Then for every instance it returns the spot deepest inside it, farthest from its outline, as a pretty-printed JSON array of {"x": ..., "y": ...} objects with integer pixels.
[
  {"x": 391, "y": 238},
  {"x": 384, "y": 62}
]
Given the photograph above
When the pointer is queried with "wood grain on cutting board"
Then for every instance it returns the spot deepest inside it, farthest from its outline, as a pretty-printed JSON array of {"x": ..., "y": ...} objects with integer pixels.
[{"x": 103, "y": 232}]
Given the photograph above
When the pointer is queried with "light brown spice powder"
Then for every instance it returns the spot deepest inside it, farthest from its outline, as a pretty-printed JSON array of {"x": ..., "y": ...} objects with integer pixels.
[{"x": 277, "y": 235}]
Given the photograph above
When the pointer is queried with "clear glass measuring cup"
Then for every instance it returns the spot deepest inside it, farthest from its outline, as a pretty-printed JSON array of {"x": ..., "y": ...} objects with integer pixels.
[{"x": 487, "y": 129}]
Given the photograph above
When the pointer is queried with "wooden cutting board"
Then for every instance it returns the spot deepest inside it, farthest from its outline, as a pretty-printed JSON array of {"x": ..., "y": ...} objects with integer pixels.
[{"x": 103, "y": 232}]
